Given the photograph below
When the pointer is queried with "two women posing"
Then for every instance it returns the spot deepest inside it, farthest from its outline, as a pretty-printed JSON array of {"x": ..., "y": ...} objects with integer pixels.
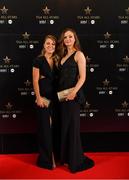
[{"x": 54, "y": 72}]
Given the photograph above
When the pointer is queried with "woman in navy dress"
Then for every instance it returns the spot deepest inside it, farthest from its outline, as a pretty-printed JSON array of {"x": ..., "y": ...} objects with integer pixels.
[
  {"x": 43, "y": 83},
  {"x": 72, "y": 74}
]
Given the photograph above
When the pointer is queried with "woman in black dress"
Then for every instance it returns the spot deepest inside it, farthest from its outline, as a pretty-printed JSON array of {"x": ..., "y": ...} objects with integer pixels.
[
  {"x": 72, "y": 74},
  {"x": 43, "y": 83}
]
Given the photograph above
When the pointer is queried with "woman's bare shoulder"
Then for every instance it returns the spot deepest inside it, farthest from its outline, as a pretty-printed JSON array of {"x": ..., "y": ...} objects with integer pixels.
[{"x": 79, "y": 55}]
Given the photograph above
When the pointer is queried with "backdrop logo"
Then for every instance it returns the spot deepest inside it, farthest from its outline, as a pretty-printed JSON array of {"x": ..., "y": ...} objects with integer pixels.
[
  {"x": 87, "y": 18},
  {"x": 8, "y": 106},
  {"x": 7, "y": 65},
  {"x": 46, "y": 17},
  {"x": 26, "y": 35},
  {"x": 4, "y": 10},
  {"x": 7, "y": 60},
  {"x": 88, "y": 110},
  {"x": 107, "y": 35},
  {"x": 123, "y": 65},
  {"x": 5, "y": 17},
  {"x": 88, "y": 10},
  {"x": 9, "y": 111},
  {"x": 106, "y": 82},
  {"x": 25, "y": 41},
  {"x": 91, "y": 66},
  {"x": 124, "y": 19},
  {"x": 126, "y": 59},
  {"x": 127, "y": 11},
  {"x": 26, "y": 88},
  {"x": 108, "y": 41},
  {"x": 106, "y": 88},
  {"x": 123, "y": 110},
  {"x": 124, "y": 104},
  {"x": 46, "y": 10},
  {"x": 27, "y": 83}
]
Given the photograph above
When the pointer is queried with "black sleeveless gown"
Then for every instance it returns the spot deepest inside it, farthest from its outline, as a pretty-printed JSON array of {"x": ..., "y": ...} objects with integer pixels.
[
  {"x": 46, "y": 132},
  {"x": 71, "y": 149}
]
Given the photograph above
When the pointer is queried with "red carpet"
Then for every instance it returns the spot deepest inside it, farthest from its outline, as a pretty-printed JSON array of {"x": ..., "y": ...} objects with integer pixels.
[{"x": 107, "y": 166}]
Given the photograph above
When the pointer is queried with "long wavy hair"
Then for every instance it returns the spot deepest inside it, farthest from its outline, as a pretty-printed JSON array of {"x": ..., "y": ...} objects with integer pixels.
[{"x": 62, "y": 49}]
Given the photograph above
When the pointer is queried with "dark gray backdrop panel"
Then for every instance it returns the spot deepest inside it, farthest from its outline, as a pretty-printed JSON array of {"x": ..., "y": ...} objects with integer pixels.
[{"x": 105, "y": 113}]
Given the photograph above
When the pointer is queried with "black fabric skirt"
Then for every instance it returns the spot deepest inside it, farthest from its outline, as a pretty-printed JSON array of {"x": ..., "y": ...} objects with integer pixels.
[{"x": 71, "y": 148}]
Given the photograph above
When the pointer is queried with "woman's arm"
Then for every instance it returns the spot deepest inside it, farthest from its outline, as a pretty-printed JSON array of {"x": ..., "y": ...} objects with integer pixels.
[
  {"x": 35, "y": 75},
  {"x": 81, "y": 61}
]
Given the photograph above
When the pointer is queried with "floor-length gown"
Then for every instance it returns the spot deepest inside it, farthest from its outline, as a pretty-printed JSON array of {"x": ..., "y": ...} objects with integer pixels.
[
  {"x": 71, "y": 148},
  {"x": 45, "y": 115}
]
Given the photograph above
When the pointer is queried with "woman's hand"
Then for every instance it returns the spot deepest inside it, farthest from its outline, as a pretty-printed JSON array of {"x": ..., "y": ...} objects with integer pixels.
[
  {"x": 40, "y": 102},
  {"x": 71, "y": 96}
]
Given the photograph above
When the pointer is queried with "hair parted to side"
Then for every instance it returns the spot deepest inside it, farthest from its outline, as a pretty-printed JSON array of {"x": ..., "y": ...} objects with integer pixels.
[
  {"x": 49, "y": 36},
  {"x": 62, "y": 49},
  {"x": 54, "y": 39}
]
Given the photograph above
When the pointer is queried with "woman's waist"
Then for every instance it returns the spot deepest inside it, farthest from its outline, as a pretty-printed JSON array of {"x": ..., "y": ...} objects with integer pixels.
[{"x": 66, "y": 84}]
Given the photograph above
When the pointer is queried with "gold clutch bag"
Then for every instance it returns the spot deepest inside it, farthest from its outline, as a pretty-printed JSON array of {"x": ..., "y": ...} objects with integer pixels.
[{"x": 63, "y": 94}]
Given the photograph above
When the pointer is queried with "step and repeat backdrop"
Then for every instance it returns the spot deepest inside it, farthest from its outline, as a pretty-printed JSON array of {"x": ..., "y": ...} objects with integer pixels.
[{"x": 103, "y": 30}]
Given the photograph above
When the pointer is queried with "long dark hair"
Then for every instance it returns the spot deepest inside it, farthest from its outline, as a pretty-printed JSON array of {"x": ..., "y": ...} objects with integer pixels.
[{"x": 62, "y": 49}]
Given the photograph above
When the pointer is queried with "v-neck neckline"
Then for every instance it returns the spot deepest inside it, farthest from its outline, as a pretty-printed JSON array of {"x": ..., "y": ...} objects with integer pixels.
[
  {"x": 51, "y": 68},
  {"x": 67, "y": 59}
]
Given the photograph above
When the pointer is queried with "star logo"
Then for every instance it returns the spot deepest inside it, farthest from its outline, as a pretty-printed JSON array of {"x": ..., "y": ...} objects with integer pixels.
[
  {"x": 6, "y": 60},
  {"x": 106, "y": 82},
  {"x": 107, "y": 35},
  {"x": 87, "y": 105},
  {"x": 124, "y": 104},
  {"x": 87, "y": 10},
  {"x": 46, "y": 10},
  {"x": 9, "y": 106},
  {"x": 27, "y": 83},
  {"x": 127, "y": 11},
  {"x": 88, "y": 59},
  {"x": 26, "y": 35},
  {"x": 126, "y": 59},
  {"x": 4, "y": 10}
]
